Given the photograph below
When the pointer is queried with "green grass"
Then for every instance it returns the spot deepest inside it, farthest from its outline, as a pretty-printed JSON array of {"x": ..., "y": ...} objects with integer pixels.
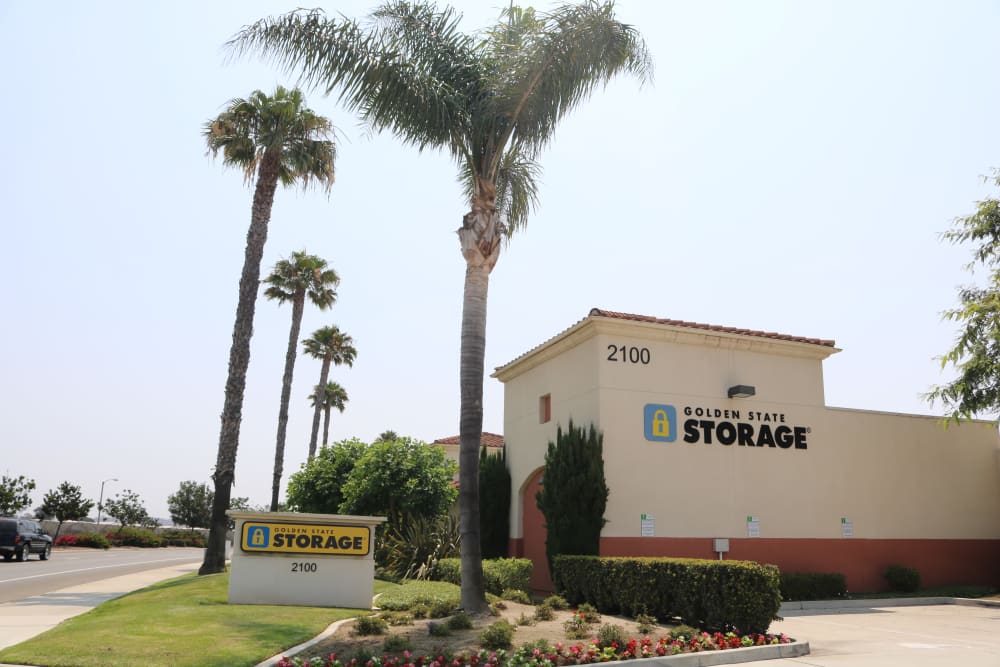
[
  {"x": 183, "y": 622},
  {"x": 419, "y": 592}
]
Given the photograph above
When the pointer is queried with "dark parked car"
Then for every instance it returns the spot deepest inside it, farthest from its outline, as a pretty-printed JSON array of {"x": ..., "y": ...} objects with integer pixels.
[{"x": 19, "y": 538}]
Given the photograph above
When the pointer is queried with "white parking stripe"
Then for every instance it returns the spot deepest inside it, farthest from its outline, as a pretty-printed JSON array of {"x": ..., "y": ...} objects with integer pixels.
[{"x": 101, "y": 567}]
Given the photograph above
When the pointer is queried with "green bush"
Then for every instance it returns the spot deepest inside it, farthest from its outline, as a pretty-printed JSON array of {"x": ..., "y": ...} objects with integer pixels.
[
  {"x": 438, "y": 629},
  {"x": 182, "y": 538},
  {"x": 609, "y": 634},
  {"x": 418, "y": 597},
  {"x": 813, "y": 585},
  {"x": 721, "y": 595},
  {"x": 544, "y": 612},
  {"x": 902, "y": 579},
  {"x": 460, "y": 621},
  {"x": 588, "y": 613},
  {"x": 494, "y": 503},
  {"x": 499, "y": 574},
  {"x": 557, "y": 602},
  {"x": 396, "y": 644},
  {"x": 370, "y": 625},
  {"x": 515, "y": 595},
  {"x": 497, "y": 636},
  {"x": 136, "y": 537},
  {"x": 91, "y": 540},
  {"x": 685, "y": 631},
  {"x": 644, "y": 623}
]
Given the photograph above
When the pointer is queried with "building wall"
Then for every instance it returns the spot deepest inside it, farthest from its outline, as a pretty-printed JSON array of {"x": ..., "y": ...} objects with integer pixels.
[{"x": 910, "y": 489}]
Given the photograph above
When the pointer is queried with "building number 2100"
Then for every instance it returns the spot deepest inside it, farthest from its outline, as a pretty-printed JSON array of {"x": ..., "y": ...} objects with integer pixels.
[{"x": 628, "y": 355}]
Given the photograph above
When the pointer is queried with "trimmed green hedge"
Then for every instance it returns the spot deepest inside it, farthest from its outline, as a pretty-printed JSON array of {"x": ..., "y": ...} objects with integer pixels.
[
  {"x": 499, "y": 574},
  {"x": 135, "y": 537},
  {"x": 709, "y": 594},
  {"x": 813, "y": 585}
]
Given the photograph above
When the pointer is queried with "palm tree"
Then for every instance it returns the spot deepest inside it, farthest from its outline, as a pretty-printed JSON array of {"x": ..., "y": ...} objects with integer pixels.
[
  {"x": 335, "y": 396},
  {"x": 294, "y": 279},
  {"x": 387, "y": 436},
  {"x": 331, "y": 346},
  {"x": 492, "y": 100},
  {"x": 273, "y": 139}
]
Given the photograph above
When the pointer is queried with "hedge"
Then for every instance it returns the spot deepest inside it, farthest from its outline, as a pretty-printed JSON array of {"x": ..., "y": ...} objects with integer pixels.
[
  {"x": 711, "y": 594},
  {"x": 499, "y": 574},
  {"x": 813, "y": 585}
]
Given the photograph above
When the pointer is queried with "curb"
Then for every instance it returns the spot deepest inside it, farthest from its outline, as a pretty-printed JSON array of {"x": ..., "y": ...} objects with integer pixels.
[
  {"x": 295, "y": 650},
  {"x": 875, "y": 603}
]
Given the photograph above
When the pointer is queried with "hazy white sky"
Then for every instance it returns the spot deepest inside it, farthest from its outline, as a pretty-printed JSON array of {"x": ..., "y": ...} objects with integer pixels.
[{"x": 789, "y": 170}]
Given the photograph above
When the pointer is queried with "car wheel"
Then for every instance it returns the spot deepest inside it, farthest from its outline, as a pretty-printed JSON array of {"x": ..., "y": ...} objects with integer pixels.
[
  {"x": 46, "y": 553},
  {"x": 23, "y": 554}
]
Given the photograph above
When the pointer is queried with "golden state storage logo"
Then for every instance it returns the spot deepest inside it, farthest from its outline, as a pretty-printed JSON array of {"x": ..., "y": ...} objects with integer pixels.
[
  {"x": 660, "y": 422},
  {"x": 305, "y": 538}
]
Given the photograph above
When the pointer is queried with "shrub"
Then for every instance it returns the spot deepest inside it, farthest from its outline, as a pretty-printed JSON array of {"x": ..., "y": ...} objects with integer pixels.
[
  {"x": 718, "y": 595},
  {"x": 588, "y": 613},
  {"x": 902, "y": 579},
  {"x": 396, "y": 644},
  {"x": 494, "y": 503},
  {"x": 460, "y": 621},
  {"x": 397, "y": 618},
  {"x": 370, "y": 625},
  {"x": 557, "y": 602},
  {"x": 813, "y": 585},
  {"x": 182, "y": 538},
  {"x": 515, "y": 595},
  {"x": 544, "y": 612},
  {"x": 611, "y": 635},
  {"x": 644, "y": 623},
  {"x": 438, "y": 629},
  {"x": 498, "y": 575},
  {"x": 135, "y": 537},
  {"x": 425, "y": 593},
  {"x": 576, "y": 627},
  {"x": 442, "y": 608},
  {"x": 685, "y": 631},
  {"x": 524, "y": 619},
  {"x": 497, "y": 636},
  {"x": 420, "y": 610},
  {"x": 92, "y": 540}
]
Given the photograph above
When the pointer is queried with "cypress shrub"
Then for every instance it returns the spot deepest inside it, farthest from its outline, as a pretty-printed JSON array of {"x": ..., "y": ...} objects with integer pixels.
[
  {"x": 903, "y": 579},
  {"x": 711, "y": 594},
  {"x": 574, "y": 492},
  {"x": 494, "y": 503}
]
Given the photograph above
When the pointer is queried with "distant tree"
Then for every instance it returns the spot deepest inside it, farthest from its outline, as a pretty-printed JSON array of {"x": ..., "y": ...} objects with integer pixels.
[
  {"x": 318, "y": 485},
  {"x": 401, "y": 477},
  {"x": 330, "y": 346},
  {"x": 293, "y": 280},
  {"x": 976, "y": 354},
  {"x": 66, "y": 503},
  {"x": 15, "y": 494},
  {"x": 271, "y": 139},
  {"x": 575, "y": 493},
  {"x": 335, "y": 396},
  {"x": 191, "y": 505},
  {"x": 494, "y": 503},
  {"x": 128, "y": 509},
  {"x": 387, "y": 436}
]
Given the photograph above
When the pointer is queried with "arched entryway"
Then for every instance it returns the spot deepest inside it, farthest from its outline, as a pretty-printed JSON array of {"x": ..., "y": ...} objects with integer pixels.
[{"x": 533, "y": 524}]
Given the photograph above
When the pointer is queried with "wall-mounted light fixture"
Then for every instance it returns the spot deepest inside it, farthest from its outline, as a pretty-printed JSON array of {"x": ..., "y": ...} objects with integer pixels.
[{"x": 741, "y": 391}]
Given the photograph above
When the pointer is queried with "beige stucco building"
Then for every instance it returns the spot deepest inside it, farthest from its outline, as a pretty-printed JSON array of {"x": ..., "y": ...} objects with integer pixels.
[{"x": 784, "y": 478}]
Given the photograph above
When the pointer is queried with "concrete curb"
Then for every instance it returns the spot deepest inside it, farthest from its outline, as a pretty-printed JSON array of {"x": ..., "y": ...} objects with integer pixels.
[
  {"x": 295, "y": 650},
  {"x": 876, "y": 603}
]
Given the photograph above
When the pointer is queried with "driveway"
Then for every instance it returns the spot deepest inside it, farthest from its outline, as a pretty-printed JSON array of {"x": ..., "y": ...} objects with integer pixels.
[{"x": 942, "y": 635}]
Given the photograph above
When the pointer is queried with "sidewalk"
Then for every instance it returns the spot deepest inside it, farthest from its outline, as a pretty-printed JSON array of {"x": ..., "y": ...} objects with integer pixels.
[{"x": 29, "y": 617}]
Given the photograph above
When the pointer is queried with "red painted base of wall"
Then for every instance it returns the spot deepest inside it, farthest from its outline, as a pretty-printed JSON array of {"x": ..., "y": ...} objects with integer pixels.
[{"x": 940, "y": 562}]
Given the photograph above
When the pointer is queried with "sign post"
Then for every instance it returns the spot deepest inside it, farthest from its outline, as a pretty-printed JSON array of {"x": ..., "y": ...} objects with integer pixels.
[{"x": 314, "y": 560}]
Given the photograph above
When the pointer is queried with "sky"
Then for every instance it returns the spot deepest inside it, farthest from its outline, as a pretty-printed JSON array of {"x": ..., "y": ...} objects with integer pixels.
[{"x": 790, "y": 168}]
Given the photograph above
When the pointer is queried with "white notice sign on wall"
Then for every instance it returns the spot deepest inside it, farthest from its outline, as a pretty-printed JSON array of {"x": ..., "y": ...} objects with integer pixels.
[
  {"x": 753, "y": 526},
  {"x": 647, "y": 528},
  {"x": 846, "y": 527}
]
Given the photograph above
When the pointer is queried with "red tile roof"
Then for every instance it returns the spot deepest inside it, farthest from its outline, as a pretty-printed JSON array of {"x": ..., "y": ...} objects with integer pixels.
[
  {"x": 710, "y": 327},
  {"x": 488, "y": 440}
]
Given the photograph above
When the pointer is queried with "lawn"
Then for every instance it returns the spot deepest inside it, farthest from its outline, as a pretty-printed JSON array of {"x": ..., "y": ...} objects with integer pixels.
[{"x": 183, "y": 622}]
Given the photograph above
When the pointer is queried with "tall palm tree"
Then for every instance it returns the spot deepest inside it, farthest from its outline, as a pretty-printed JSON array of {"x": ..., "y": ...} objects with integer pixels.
[
  {"x": 293, "y": 279},
  {"x": 331, "y": 346},
  {"x": 492, "y": 100},
  {"x": 271, "y": 139},
  {"x": 335, "y": 396}
]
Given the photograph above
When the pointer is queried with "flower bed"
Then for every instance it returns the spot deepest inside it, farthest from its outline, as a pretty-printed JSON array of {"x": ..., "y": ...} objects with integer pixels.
[{"x": 557, "y": 655}]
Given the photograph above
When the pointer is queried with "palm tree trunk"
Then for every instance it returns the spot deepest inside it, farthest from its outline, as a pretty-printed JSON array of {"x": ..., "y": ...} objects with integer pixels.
[
  {"x": 480, "y": 241},
  {"x": 324, "y": 373},
  {"x": 239, "y": 360},
  {"x": 326, "y": 424},
  {"x": 298, "y": 305}
]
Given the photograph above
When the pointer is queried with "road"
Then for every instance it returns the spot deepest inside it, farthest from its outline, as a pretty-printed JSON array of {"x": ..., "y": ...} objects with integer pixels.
[{"x": 72, "y": 567}]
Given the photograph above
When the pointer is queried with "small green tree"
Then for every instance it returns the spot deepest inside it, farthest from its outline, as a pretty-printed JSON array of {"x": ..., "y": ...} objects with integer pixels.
[
  {"x": 15, "y": 494},
  {"x": 400, "y": 477},
  {"x": 128, "y": 509},
  {"x": 65, "y": 503},
  {"x": 574, "y": 494},
  {"x": 976, "y": 354},
  {"x": 191, "y": 505},
  {"x": 494, "y": 503},
  {"x": 318, "y": 485}
]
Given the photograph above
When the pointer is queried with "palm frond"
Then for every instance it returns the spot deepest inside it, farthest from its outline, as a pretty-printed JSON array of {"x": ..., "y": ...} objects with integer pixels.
[{"x": 516, "y": 187}]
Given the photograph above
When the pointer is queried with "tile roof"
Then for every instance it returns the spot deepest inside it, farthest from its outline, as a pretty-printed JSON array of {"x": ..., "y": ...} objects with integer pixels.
[
  {"x": 488, "y": 440},
  {"x": 710, "y": 327}
]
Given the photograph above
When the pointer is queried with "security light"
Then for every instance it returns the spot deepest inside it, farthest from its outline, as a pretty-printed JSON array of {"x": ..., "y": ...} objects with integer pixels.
[{"x": 741, "y": 391}]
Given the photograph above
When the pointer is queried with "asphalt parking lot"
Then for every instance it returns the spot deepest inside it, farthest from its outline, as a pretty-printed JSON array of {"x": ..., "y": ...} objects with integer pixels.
[{"x": 908, "y": 636}]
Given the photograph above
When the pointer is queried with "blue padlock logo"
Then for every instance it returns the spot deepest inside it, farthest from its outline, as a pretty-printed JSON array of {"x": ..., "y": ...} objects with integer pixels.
[{"x": 660, "y": 422}]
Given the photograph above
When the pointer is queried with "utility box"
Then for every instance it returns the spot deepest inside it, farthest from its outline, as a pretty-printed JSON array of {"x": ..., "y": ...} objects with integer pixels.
[{"x": 312, "y": 560}]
